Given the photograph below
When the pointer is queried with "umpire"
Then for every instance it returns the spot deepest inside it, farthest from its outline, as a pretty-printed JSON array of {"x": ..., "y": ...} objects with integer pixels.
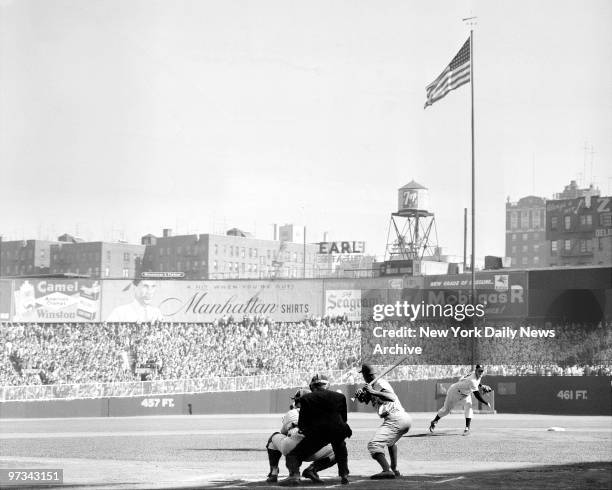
[{"x": 322, "y": 421}]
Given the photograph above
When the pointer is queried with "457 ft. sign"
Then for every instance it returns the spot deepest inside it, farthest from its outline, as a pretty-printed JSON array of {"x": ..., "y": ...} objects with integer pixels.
[
  {"x": 573, "y": 395},
  {"x": 157, "y": 402}
]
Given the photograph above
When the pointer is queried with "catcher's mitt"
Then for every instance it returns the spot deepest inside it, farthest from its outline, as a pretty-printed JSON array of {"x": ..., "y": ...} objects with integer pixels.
[
  {"x": 363, "y": 396},
  {"x": 485, "y": 389}
]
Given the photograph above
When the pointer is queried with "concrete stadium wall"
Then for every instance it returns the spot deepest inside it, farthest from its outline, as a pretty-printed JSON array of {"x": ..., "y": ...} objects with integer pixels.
[
  {"x": 567, "y": 395},
  {"x": 559, "y": 395},
  {"x": 55, "y": 408}
]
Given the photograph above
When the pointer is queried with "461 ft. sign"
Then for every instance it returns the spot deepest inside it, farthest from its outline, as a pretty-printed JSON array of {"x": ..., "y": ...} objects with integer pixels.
[{"x": 573, "y": 395}]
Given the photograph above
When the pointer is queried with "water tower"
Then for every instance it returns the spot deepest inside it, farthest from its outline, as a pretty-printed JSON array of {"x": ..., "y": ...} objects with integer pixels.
[{"x": 412, "y": 231}]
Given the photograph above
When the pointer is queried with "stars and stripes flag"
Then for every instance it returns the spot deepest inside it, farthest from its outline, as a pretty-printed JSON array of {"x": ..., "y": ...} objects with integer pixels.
[{"x": 457, "y": 73}]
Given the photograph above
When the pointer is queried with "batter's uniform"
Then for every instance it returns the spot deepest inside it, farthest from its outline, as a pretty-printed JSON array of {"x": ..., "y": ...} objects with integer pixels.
[
  {"x": 396, "y": 422},
  {"x": 289, "y": 437},
  {"x": 461, "y": 392}
]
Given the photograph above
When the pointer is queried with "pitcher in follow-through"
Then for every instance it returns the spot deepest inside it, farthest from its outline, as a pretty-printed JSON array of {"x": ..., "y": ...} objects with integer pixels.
[{"x": 461, "y": 392}]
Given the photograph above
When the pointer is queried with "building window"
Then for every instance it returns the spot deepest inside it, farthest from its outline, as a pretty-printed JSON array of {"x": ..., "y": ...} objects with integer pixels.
[
  {"x": 255, "y": 252},
  {"x": 243, "y": 253},
  {"x": 583, "y": 246},
  {"x": 589, "y": 245},
  {"x": 215, "y": 266},
  {"x": 126, "y": 257},
  {"x": 535, "y": 218},
  {"x": 536, "y": 260},
  {"x": 536, "y": 247},
  {"x": 554, "y": 246},
  {"x": 513, "y": 220},
  {"x": 525, "y": 248},
  {"x": 513, "y": 236},
  {"x": 536, "y": 236},
  {"x": 106, "y": 272},
  {"x": 554, "y": 222},
  {"x": 108, "y": 255},
  {"x": 525, "y": 236},
  {"x": 568, "y": 245},
  {"x": 524, "y": 260},
  {"x": 524, "y": 219},
  {"x": 568, "y": 222},
  {"x": 126, "y": 273},
  {"x": 605, "y": 219},
  {"x": 216, "y": 249}
]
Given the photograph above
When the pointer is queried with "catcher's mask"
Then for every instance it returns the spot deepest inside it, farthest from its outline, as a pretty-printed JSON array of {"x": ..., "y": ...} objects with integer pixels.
[
  {"x": 300, "y": 393},
  {"x": 319, "y": 380}
]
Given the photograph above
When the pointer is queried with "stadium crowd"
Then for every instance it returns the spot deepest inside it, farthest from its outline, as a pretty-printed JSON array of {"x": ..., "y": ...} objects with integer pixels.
[{"x": 70, "y": 353}]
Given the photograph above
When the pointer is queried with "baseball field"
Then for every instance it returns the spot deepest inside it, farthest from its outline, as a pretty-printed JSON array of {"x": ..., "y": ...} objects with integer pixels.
[{"x": 227, "y": 451}]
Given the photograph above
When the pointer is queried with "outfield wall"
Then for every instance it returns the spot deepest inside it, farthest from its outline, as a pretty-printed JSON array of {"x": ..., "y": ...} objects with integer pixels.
[{"x": 558, "y": 395}]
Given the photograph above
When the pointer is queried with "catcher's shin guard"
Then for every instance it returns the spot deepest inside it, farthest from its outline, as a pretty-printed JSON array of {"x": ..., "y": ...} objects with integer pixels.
[
  {"x": 274, "y": 456},
  {"x": 323, "y": 463}
]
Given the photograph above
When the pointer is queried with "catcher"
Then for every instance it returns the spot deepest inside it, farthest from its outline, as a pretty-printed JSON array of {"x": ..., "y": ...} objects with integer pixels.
[
  {"x": 461, "y": 392},
  {"x": 281, "y": 443},
  {"x": 396, "y": 422}
]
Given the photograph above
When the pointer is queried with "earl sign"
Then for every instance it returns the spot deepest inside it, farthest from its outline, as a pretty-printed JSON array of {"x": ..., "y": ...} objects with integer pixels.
[{"x": 341, "y": 247}]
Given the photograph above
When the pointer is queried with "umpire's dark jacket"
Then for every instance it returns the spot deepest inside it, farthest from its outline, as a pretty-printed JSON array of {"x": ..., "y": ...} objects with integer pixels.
[{"x": 323, "y": 412}]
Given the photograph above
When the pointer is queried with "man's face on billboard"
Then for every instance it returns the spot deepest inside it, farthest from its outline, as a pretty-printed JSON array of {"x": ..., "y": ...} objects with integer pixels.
[{"x": 144, "y": 292}]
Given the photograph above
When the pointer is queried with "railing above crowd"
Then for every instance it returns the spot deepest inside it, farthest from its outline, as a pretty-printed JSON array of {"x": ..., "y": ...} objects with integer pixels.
[{"x": 265, "y": 382}]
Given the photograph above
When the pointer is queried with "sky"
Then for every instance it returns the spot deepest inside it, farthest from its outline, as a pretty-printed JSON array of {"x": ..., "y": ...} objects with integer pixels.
[{"x": 120, "y": 118}]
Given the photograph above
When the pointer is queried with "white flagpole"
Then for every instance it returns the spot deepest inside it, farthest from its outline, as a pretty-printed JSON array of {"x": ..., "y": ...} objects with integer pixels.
[{"x": 473, "y": 170}]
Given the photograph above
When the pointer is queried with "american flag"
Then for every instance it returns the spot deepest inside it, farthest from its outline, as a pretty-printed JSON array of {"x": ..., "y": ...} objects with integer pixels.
[{"x": 457, "y": 73}]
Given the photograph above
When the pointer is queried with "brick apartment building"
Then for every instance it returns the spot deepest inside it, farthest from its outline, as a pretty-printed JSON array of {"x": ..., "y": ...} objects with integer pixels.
[
  {"x": 25, "y": 257},
  {"x": 234, "y": 255},
  {"x": 580, "y": 231},
  {"x": 526, "y": 243},
  {"x": 96, "y": 259}
]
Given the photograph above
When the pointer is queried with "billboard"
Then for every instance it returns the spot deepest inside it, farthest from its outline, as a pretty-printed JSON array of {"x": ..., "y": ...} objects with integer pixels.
[
  {"x": 576, "y": 295},
  {"x": 355, "y": 298},
  {"x": 56, "y": 300},
  {"x": 5, "y": 300},
  {"x": 206, "y": 301},
  {"x": 503, "y": 294}
]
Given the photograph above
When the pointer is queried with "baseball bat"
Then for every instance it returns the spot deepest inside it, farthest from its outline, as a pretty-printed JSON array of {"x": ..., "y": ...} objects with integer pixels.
[{"x": 385, "y": 372}]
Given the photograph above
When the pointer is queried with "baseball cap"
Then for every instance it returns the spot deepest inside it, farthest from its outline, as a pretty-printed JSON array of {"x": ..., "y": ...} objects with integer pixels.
[
  {"x": 319, "y": 379},
  {"x": 367, "y": 369},
  {"x": 300, "y": 393}
]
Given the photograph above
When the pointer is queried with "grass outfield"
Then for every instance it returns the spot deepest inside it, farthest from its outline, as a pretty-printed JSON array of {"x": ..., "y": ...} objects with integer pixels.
[{"x": 503, "y": 451}]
